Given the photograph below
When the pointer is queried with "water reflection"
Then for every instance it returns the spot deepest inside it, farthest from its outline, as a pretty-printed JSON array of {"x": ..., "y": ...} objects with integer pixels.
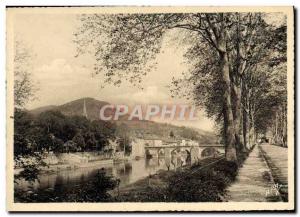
[{"x": 128, "y": 172}]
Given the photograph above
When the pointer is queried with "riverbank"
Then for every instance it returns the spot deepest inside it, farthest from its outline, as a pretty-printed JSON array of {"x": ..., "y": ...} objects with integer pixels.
[
  {"x": 53, "y": 163},
  {"x": 205, "y": 181},
  {"x": 61, "y": 167}
]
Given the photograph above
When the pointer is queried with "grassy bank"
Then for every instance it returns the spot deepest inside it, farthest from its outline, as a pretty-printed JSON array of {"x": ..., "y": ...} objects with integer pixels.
[{"x": 203, "y": 182}]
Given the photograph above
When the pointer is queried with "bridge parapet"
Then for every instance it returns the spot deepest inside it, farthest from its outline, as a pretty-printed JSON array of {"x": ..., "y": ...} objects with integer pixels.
[{"x": 195, "y": 151}]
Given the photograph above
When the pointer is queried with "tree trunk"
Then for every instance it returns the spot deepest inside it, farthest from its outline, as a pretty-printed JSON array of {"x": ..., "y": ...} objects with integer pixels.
[
  {"x": 285, "y": 126},
  {"x": 276, "y": 127},
  {"x": 238, "y": 117},
  {"x": 252, "y": 127},
  {"x": 280, "y": 126},
  {"x": 229, "y": 129},
  {"x": 245, "y": 116},
  {"x": 245, "y": 128}
]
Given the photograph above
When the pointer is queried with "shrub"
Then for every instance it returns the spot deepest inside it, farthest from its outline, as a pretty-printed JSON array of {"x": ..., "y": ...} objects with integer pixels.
[{"x": 206, "y": 184}]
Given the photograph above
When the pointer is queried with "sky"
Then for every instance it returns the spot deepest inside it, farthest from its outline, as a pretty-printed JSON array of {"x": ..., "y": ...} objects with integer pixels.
[{"x": 61, "y": 77}]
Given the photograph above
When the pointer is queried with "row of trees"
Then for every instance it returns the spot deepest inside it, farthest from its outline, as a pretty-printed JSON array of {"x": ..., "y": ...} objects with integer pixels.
[
  {"x": 254, "y": 94},
  {"x": 237, "y": 64}
]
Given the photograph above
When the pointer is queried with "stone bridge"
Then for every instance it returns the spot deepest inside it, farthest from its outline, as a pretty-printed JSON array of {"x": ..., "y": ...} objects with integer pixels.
[{"x": 195, "y": 152}]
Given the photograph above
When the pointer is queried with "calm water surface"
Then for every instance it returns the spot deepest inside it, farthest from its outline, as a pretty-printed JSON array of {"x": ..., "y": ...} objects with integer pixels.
[{"x": 128, "y": 172}]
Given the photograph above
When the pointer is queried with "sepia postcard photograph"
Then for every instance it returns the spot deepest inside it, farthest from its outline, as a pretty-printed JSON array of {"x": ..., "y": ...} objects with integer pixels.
[{"x": 127, "y": 109}]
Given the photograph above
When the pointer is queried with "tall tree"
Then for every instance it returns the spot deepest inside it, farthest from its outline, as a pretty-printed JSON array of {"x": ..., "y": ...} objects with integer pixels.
[
  {"x": 24, "y": 88},
  {"x": 125, "y": 47}
]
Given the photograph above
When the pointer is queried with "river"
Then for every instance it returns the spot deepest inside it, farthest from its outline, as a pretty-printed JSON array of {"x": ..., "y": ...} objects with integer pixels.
[{"x": 128, "y": 172}]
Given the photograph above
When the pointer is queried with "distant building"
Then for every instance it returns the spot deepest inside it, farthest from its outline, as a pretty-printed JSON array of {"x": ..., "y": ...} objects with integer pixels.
[
  {"x": 138, "y": 147},
  {"x": 138, "y": 144}
]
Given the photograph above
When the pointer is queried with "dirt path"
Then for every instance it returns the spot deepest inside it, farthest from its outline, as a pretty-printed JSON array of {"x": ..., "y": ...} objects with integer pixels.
[{"x": 254, "y": 181}]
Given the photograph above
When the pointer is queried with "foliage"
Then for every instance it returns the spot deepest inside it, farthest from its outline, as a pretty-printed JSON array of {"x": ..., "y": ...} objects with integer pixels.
[
  {"x": 204, "y": 185},
  {"x": 224, "y": 52},
  {"x": 24, "y": 87},
  {"x": 51, "y": 130},
  {"x": 31, "y": 166},
  {"x": 125, "y": 144}
]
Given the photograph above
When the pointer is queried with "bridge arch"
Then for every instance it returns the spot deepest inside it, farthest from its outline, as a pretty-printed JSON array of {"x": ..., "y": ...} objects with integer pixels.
[
  {"x": 151, "y": 153},
  {"x": 188, "y": 159},
  {"x": 148, "y": 154},
  {"x": 161, "y": 152}
]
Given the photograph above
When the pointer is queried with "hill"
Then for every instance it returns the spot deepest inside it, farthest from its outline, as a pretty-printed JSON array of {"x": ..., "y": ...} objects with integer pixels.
[
  {"x": 39, "y": 110},
  {"x": 150, "y": 129},
  {"x": 145, "y": 129},
  {"x": 76, "y": 108}
]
